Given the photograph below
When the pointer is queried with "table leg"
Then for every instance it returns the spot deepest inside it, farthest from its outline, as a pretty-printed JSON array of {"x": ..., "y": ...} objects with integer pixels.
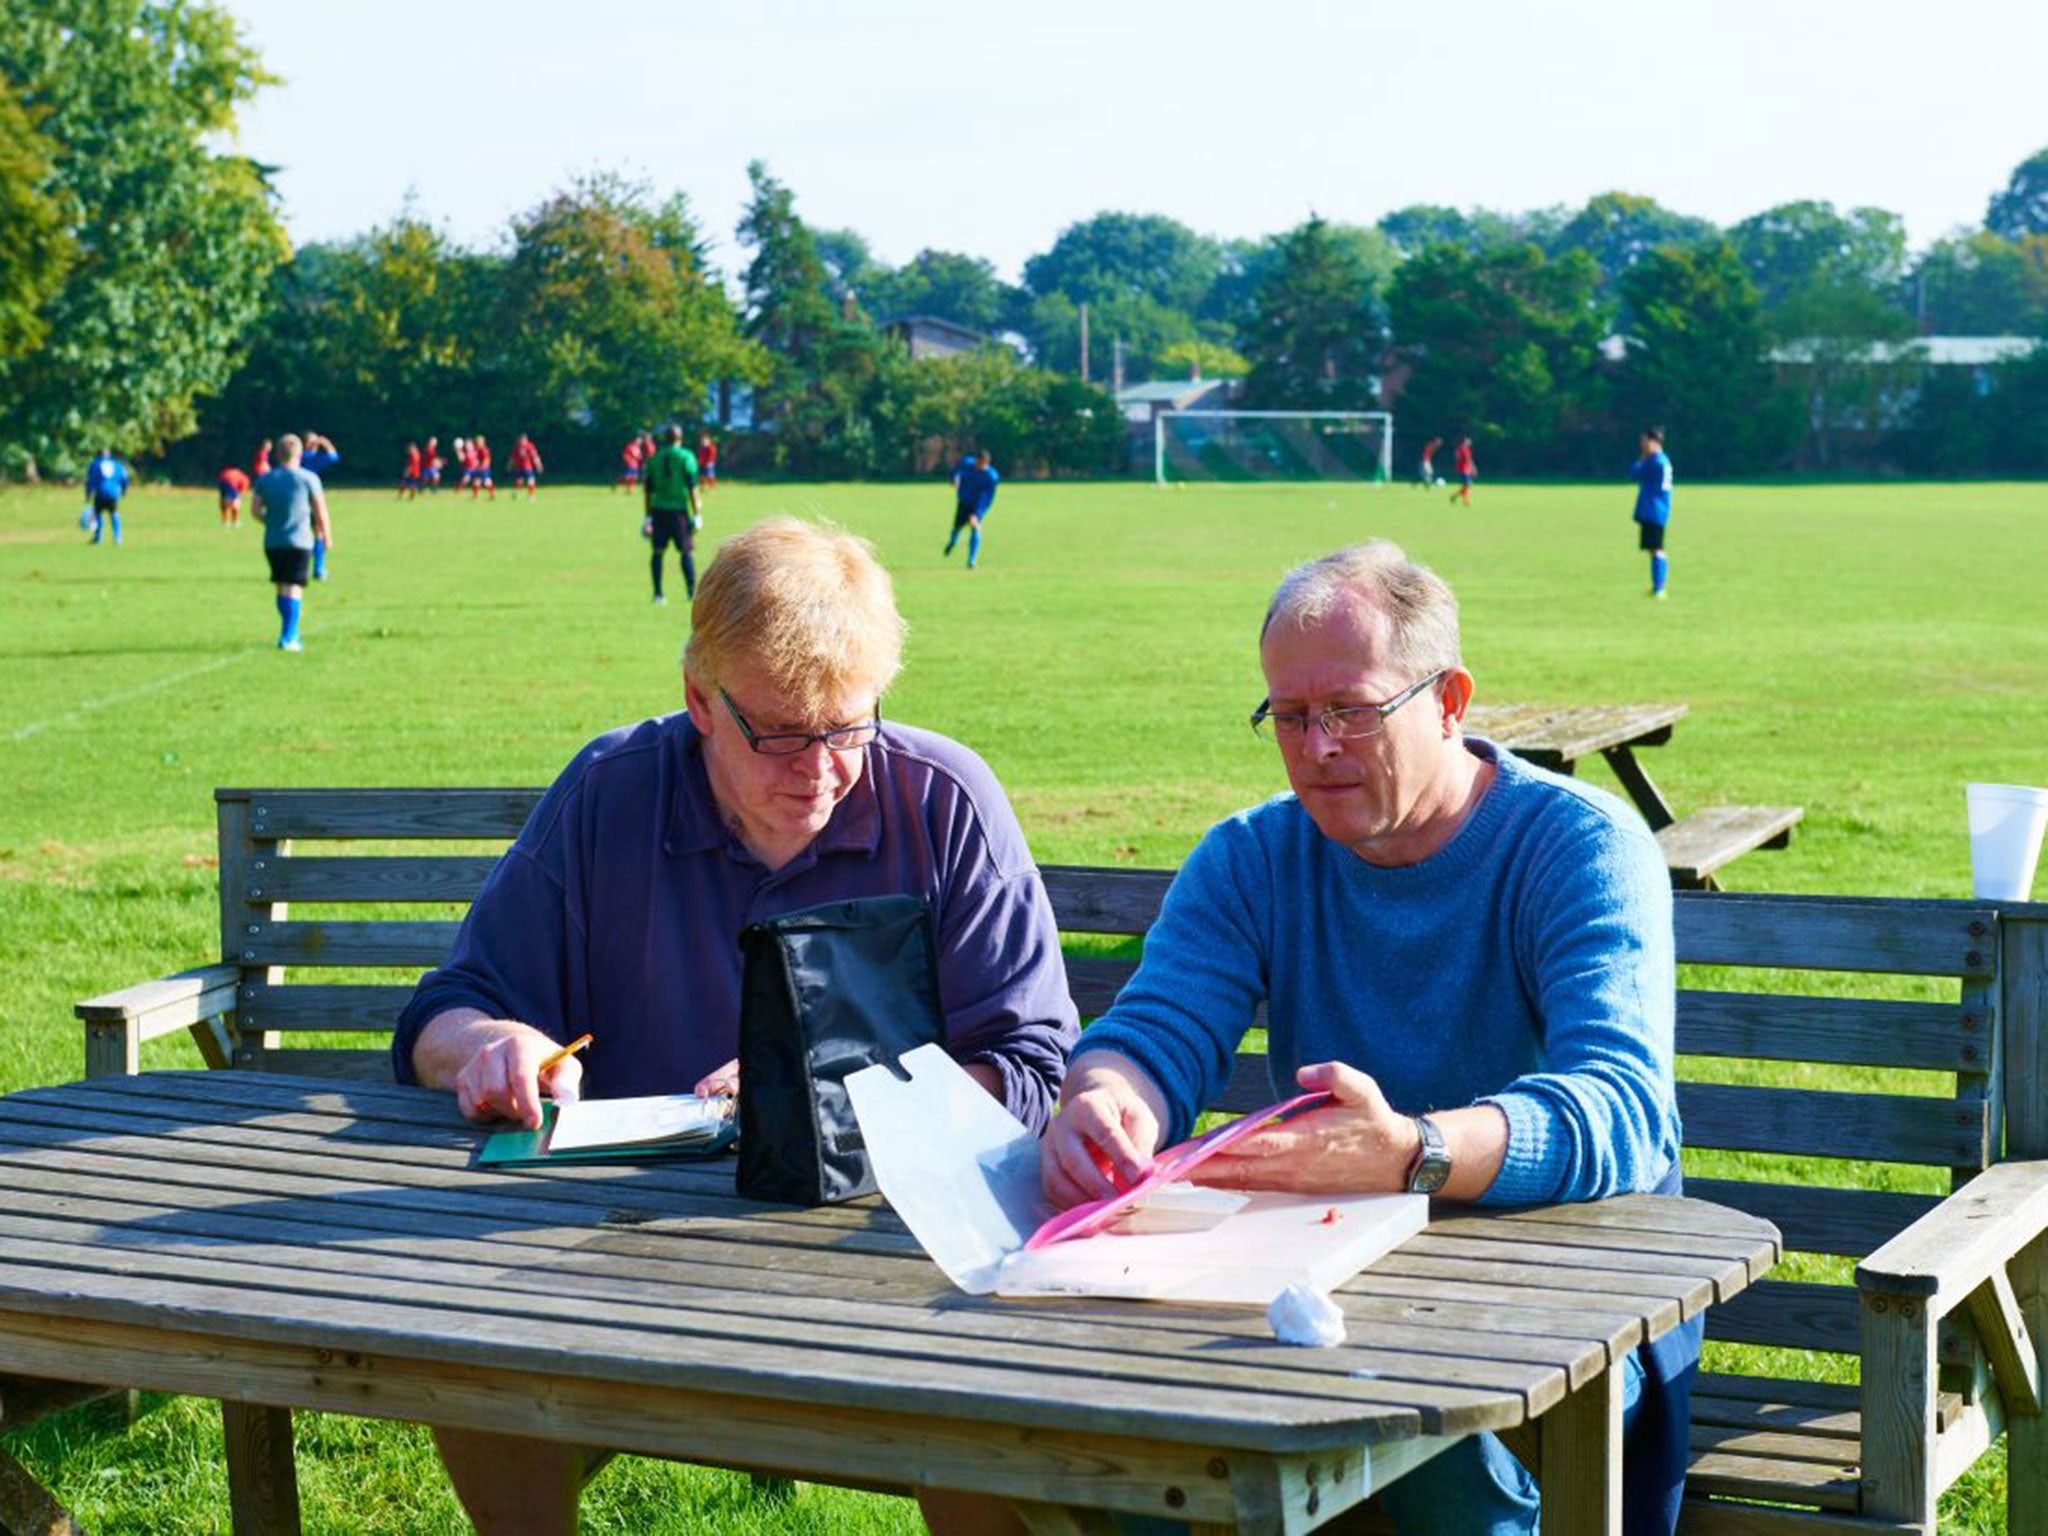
[
  {"x": 1647, "y": 797},
  {"x": 263, "y": 1480},
  {"x": 1579, "y": 1456}
]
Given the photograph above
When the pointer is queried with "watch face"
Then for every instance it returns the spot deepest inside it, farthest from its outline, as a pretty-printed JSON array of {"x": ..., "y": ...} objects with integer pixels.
[{"x": 1433, "y": 1164}]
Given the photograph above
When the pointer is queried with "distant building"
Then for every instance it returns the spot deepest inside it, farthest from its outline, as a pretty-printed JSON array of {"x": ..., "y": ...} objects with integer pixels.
[
  {"x": 1141, "y": 404},
  {"x": 928, "y": 336},
  {"x": 1856, "y": 394}
]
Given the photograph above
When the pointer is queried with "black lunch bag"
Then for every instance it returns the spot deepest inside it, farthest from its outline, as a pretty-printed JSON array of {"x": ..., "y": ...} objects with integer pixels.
[{"x": 824, "y": 992}]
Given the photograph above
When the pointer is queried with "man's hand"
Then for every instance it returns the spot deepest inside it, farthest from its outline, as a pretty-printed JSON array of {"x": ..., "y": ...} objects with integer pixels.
[
  {"x": 493, "y": 1065},
  {"x": 503, "y": 1080},
  {"x": 1358, "y": 1145},
  {"x": 724, "y": 1081},
  {"x": 1110, "y": 1120}
]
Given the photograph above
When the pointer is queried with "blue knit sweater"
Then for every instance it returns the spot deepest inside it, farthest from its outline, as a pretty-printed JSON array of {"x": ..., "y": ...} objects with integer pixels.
[{"x": 1526, "y": 964}]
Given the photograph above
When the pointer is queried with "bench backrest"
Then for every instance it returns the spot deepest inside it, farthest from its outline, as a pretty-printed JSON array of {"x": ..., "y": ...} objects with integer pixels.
[{"x": 1843, "y": 1061}]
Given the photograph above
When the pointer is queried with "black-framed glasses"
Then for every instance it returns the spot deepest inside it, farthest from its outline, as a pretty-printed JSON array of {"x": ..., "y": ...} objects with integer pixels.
[
  {"x": 1346, "y": 724},
  {"x": 841, "y": 738}
]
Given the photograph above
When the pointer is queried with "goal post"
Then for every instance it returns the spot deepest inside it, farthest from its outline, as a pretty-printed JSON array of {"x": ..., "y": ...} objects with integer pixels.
[{"x": 1272, "y": 445}]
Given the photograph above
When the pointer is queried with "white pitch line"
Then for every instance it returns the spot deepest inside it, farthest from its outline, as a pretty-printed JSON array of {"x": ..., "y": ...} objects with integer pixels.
[{"x": 90, "y": 705}]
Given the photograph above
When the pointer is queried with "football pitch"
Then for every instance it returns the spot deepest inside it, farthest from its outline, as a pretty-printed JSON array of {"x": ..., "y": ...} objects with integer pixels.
[{"x": 1861, "y": 651}]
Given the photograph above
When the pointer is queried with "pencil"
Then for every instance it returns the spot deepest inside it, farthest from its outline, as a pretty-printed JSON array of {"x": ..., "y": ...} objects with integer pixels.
[{"x": 563, "y": 1054}]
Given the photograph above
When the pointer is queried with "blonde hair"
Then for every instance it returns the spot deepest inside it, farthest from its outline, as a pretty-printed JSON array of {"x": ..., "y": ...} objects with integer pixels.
[
  {"x": 1420, "y": 608},
  {"x": 808, "y": 604}
]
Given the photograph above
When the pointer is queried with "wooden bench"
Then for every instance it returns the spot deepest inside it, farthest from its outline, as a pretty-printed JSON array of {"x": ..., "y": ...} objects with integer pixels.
[
  {"x": 1927, "y": 1019},
  {"x": 1698, "y": 843}
]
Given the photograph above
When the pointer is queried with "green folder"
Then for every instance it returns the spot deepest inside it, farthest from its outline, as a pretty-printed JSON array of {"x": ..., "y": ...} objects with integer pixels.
[{"x": 520, "y": 1148}]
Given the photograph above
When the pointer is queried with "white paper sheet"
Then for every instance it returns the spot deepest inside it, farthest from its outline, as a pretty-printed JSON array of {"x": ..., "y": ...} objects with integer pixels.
[
  {"x": 963, "y": 1174},
  {"x": 636, "y": 1122}
]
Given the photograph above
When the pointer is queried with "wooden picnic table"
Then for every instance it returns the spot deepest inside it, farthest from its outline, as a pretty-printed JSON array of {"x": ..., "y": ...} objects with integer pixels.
[
  {"x": 1558, "y": 737},
  {"x": 271, "y": 1240}
]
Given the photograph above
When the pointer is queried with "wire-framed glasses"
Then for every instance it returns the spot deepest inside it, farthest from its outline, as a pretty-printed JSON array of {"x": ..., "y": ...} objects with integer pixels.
[
  {"x": 1345, "y": 724},
  {"x": 840, "y": 738}
]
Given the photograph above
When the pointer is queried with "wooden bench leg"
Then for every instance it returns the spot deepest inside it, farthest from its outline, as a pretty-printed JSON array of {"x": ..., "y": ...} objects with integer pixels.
[
  {"x": 27, "y": 1508},
  {"x": 263, "y": 1480}
]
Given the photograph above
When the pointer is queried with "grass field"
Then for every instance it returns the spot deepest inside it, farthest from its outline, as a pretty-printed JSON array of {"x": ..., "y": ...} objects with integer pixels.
[{"x": 1862, "y": 651}]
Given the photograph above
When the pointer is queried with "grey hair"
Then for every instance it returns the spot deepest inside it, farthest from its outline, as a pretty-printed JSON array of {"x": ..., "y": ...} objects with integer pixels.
[{"x": 1422, "y": 610}]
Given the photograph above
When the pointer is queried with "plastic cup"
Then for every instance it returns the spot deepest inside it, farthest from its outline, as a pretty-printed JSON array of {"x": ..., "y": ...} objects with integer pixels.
[{"x": 2006, "y": 823}]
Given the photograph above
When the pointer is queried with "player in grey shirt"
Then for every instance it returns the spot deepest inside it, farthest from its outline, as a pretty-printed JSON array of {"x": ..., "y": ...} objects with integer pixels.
[{"x": 292, "y": 507}]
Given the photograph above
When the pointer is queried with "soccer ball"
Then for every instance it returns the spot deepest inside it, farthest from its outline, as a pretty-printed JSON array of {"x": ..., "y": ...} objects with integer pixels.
[{"x": 85, "y": 517}]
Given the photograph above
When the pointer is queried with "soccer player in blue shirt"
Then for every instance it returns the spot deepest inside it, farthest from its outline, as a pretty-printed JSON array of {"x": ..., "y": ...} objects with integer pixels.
[
  {"x": 320, "y": 456},
  {"x": 1652, "y": 475},
  {"x": 106, "y": 482},
  {"x": 974, "y": 492}
]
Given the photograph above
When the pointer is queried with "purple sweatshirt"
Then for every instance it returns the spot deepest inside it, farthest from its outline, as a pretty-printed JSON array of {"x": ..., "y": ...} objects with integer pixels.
[{"x": 619, "y": 909}]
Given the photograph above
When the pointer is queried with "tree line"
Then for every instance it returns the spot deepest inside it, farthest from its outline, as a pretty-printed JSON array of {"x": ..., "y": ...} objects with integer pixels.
[{"x": 149, "y": 299}]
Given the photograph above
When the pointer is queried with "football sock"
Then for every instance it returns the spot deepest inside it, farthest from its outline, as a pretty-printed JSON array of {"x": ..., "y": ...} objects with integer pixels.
[
  {"x": 99, "y": 526},
  {"x": 655, "y": 566},
  {"x": 955, "y": 539},
  {"x": 973, "y": 545},
  {"x": 689, "y": 577},
  {"x": 1660, "y": 568},
  {"x": 117, "y": 527},
  {"x": 288, "y": 620}
]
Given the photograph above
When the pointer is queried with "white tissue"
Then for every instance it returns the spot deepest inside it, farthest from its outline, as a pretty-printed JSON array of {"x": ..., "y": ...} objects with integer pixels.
[{"x": 1307, "y": 1317}]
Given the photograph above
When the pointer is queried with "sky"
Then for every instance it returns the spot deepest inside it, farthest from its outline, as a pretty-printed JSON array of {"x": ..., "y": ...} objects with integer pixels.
[{"x": 987, "y": 128}]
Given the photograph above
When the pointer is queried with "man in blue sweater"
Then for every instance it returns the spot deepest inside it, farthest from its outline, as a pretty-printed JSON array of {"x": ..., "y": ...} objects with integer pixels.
[{"x": 1473, "y": 956}]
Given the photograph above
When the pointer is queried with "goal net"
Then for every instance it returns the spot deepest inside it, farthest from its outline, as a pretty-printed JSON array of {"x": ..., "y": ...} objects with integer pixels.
[{"x": 1272, "y": 445}]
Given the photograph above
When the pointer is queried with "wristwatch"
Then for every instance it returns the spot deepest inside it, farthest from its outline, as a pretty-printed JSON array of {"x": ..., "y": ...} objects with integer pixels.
[{"x": 1432, "y": 1165}]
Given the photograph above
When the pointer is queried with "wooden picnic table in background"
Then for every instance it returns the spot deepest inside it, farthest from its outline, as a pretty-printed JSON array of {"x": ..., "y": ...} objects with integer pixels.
[
  {"x": 1558, "y": 737},
  {"x": 281, "y": 1242}
]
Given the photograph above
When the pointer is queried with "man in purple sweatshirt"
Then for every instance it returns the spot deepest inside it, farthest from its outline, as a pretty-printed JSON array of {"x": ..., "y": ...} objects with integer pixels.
[{"x": 618, "y": 909}]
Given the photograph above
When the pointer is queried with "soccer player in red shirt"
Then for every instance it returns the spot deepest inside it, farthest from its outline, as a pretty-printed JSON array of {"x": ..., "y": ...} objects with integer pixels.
[
  {"x": 630, "y": 456},
  {"x": 430, "y": 464},
  {"x": 409, "y": 484},
  {"x": 480, "y": 468},
  {"x": 707, "y": 462},
  {"x": 1467, "y": 471},
  {"x": 233, "y": 485},
  {"x": 262, "y": 465},
  {"x": 526, "y": 465}
]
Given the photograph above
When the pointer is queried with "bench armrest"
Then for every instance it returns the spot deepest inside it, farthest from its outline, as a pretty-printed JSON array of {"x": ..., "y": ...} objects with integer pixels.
[
  {"x": 116, "y": 1023},
  {"x": 1964, "y": 1241}
]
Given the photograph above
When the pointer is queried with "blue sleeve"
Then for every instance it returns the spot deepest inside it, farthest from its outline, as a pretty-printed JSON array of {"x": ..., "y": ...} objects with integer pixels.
[
  {"x": 518, "y": 953},
  {"x": 1198, "y": 988},
  {"x": 1601, "y": 1118}
]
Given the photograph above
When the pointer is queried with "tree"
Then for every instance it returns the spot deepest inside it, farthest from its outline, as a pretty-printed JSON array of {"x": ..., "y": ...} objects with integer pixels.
[
  {"x": 1204, "y": 360},
  {"x": 1421, "y": 225},
  {"x": 1147, "y": 329},
  {"x": 1984, "y": 285},
  {"x": 613, "y": 313},
  {"x": 1619, "y": 229},
  {"x": 822, "y": 356},
  {"x": 1797, "y": 245},
  {"x": 1127, "y": 255},
  {"x": 35, "y": 248},
  {"x": 174, "y": 241},
  {"x": 1698, "y": 361},
  {"x": 1319, "y": 325},
  {"x": 2022, "y": 208},
  {"x": 962, "y": 289},
  {"x": 1502, "y": 344}
]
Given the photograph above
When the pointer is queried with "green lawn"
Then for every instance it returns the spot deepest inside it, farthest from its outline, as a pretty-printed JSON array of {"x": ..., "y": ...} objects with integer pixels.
[{"x": 1862, "y": 651}]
